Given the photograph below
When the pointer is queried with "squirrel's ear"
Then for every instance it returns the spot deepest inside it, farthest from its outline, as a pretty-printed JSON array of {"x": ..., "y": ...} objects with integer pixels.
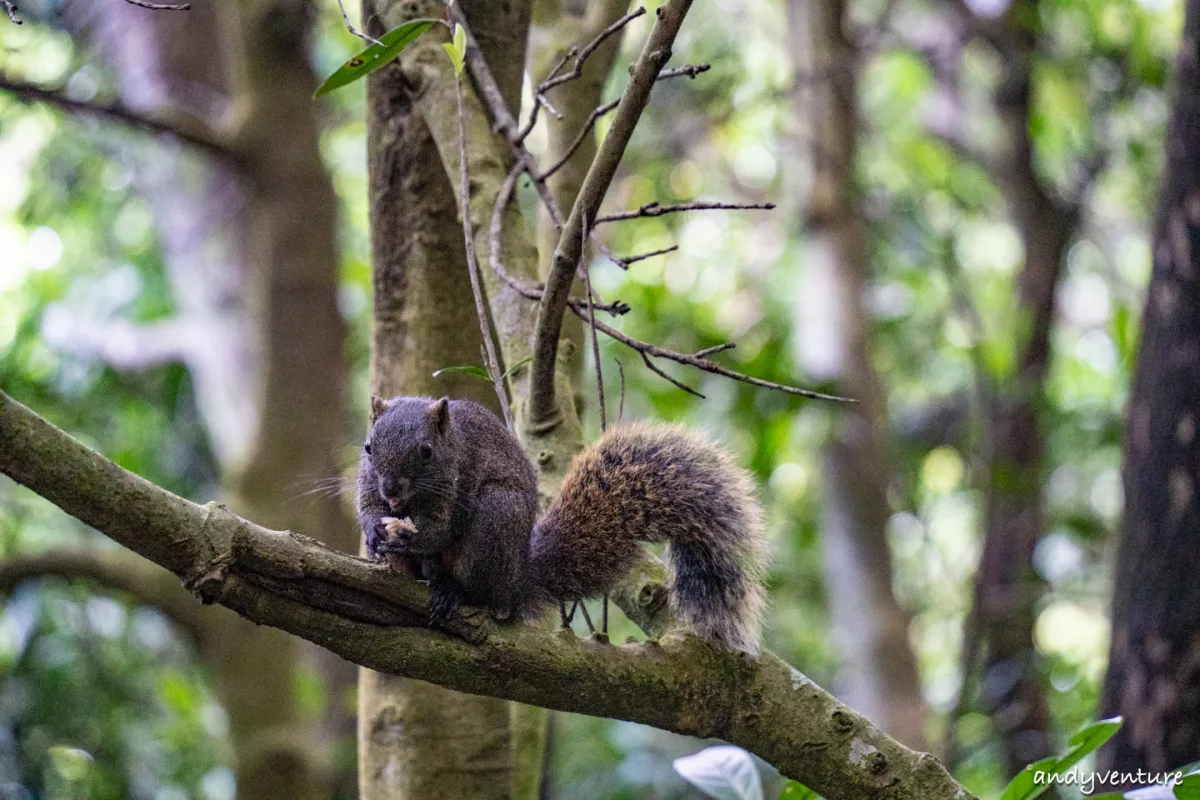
[
  {"x": 439, "y": 414},
  {"x": 378, "y": 406}
]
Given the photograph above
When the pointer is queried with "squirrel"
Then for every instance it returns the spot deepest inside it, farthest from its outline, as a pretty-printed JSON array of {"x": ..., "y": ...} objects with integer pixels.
[{"x": 446, "y": 494}]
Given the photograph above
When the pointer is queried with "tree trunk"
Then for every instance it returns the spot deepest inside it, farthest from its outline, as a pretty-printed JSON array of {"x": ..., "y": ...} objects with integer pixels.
[
  {"x": 1154, "y": 668},
  {"x": 879, "y": 671},
  {"x": 269, "y": 223},
  {"x": 418, "y": 740},
  {"x": 1007, "y": 589}
]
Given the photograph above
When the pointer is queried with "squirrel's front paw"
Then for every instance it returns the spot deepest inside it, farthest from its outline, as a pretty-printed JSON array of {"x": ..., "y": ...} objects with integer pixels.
[{"x": 390, "y": 536}]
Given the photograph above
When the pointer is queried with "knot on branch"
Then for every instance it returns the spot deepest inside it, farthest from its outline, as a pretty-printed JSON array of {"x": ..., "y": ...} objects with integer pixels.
[
  {"x": 207, "y": 578},
  {"x": 843, "y": 722},
  {"x": 652, "y": 597}
]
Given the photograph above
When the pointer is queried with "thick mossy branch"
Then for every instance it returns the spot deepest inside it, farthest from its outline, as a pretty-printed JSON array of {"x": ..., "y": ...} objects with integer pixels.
[{"x": 377, "y": 619}]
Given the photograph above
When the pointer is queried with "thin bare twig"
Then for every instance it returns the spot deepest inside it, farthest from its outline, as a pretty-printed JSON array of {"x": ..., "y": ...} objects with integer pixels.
[
  {"x": 558, "y": 65},
  {"x": 577, "y": 67},
  {"x": 587, "y": 283},
  {"x": 646, "y": 350},
  {"x": 527, "y": 289},
  {"x": 350, "y": 27},
  {"x": 692, "y": 70},
  {"x": 11, "y": 8},
  {"x": 596, "y": 114},
  {"x": 708, "y": 351},
  {"x": 643, "y": 76},
  {"x": 655, "y": 369},
  {"x": 697, "y": 360},
  {"x": 464, "y": 194},
  {"x": 687, "y": 70},
  {"x": 624, "y": 263},
  {"x": 545, "y": 101},
  {"x": 621, "y": 407},
  {"x": 506, "y": 125},
  {"x": 655, "y": 209},
  {"x": 160, "y": 6}
]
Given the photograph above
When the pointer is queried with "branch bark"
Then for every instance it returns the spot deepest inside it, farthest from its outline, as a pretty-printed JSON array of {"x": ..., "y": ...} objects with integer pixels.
[{"x": 372, "y": 617}]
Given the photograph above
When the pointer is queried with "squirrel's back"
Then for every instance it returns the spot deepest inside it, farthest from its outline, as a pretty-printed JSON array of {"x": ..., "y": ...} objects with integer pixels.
[{"x": 659, "y": 483}]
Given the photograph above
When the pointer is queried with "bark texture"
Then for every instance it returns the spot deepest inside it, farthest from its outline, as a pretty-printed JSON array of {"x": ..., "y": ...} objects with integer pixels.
[
  {"x": 1154, "y": 669},
  {"x": 879, "y": 669}
]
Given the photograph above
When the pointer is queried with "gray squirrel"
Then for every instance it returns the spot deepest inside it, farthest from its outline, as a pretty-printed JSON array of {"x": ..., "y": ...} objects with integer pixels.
[{"x": 446, "y": 494}]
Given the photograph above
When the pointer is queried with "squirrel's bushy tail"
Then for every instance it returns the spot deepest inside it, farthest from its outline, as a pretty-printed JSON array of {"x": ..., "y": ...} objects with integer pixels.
[{"x": 659, "y": 483}]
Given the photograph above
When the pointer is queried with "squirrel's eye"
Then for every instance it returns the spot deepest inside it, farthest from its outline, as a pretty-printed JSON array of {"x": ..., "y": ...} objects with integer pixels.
[
  {"x": 426, "y": 450},
  {"x": 367, "y": 448}
]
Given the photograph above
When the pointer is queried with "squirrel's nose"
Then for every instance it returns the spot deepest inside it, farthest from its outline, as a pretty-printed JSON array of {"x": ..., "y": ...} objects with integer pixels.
[{"x": 395, "y": 492}]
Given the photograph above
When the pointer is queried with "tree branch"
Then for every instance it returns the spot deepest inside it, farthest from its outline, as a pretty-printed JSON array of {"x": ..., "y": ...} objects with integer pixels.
[
  {"x": 114, "y": 570},
  {"x": 656, "y": 209},
  {"x": 655, "y": 54},
  {"x": 372, "y": 617},
  {"x": 182, "y": 127}
]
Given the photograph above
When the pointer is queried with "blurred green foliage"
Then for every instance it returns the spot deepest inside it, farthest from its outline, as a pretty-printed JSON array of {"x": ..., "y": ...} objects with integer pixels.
[{"x": 98, "y": 675}]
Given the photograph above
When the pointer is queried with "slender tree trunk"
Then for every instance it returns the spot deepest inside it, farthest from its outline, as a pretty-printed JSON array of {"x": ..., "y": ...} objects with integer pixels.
[
  {"x": 417, "y": 740},
  {"x": 245, "y": 239},
  {"x": 1154, "y": 669},
  {"x": 879, "y": 671},
  {"x": 1007, "y": 589}
]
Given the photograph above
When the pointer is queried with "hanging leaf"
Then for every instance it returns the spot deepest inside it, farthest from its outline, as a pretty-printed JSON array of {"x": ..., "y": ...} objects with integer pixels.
[
  {"x": 391, "y": 44},
  {"x": 469, "y": 369},
  {"x": 724, "y": 772}
]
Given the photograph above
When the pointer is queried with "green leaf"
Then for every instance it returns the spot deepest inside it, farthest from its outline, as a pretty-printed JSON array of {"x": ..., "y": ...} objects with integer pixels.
[
  {"x": 376, "y": 56},
  {"x": 482, "y": 373},
  {"x": 1188, "y": 788},
  {"x": 1090, "y": 738},
  {"x": 457, "y": 49},
  {"x": 1029, "y": 784},
  {"x": 460, "y": 39},
  {"x": 798, "y": 791},
  {"x": 470, "y": 369}
]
